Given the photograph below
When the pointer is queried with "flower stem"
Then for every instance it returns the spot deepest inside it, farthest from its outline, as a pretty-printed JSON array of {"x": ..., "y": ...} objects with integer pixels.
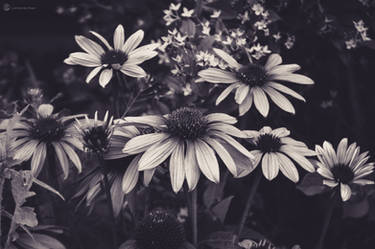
[
  {"x": 327, "y": 220},
  {"x": 250, "y": 199},
  {"x": 194, "y": 216},
  {"x": 109, "y": 202}
]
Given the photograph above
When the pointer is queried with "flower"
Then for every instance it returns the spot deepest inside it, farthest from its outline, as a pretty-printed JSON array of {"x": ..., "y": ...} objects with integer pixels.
[
  {"x": 190, "y": 139},
  {"x": 252, "y": 82},
  {"x": 47, "y": 133},
  {"x": 124, "y": 57},
  {"x": 251, "y": 244},
  {"x": 344, "y": 167},
  {"x": 159, "y": 230},
  {"x": 275, "y": 149},
  {"x": 187, "y": 13}
]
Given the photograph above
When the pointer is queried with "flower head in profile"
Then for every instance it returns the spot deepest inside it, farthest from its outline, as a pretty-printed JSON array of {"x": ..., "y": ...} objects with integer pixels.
[
  {"x": 253, "y": 82},
  {"x": 276, "y": 151},
  {"x": 47, "y": 133},
  {"x": 251, "y": 244},
  {"x": 344, "y": 167},
  {"x": 124, "y": 56},
  {"x": 188, "y": 139}
]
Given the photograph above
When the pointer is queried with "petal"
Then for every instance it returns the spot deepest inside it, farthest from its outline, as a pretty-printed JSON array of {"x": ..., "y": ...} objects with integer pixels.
[
  {"x": 231, "y": 141},
  {"x": 192, "y": 171},
  {"x": 272, "y": 61},
  {"x": 286, "y": 90},
  {"x": 301, "y": 160},
  {"x": 150, "y": 120},
  {"x": 157, "y": 154},
  {"x": 226, "y": 92},
  {"x": 148, "y": 47},
  {"x": 177, "y": 167},
  {"x": 141, "y": 143},
  {"x": 287, "y": 167},
  {"x": 72, "y": 156},
  {"x": 245, "y": 106},
  {"x": 140, "y": 56},
  {"x": 63, "y": 160},
  {"x": 363, "y": 182},
  {"x": 325, "y": 173},
  {"x": 133, "y": 71},
  {"x": 294, "y": 78},
  {"x": 284, "y": 69},
  {"x": 119, "y": 37},
  {"x": 280, "y": 100},
  {"x": 330, "y": 183},
  {"x": 38, "y": 159},
  {"x": 25, "y": 151},
  {"x": 215, "y": 75},
  {"x": 270, "y": 166},
  {"x": 93, "y": 73},
  {"x": 345, "y": 192},
  {"x": 102, "y": 39},
  {"x": 105, "y": 77},
  {"x": 223, "y": 154},
  {"x": 220, "y": 118},
  {"x": 227, "y": 58},
  {"x": 117, "y": 196},
  {"x": 280, "y": 132},
  {"x": 130, "y": 178},
  {"x": 84, "y": 59},
  {"x": 133, "y": 41},
  {"x": 45, "y": 110},
  {"x": 329, "y": 153},
  {"x": 241, "y": 93},
  {"x": 207, "y": 161},
  {"x": 227, "y": 129},
  {"x": 89, "y": 46},
  {"x": 260, "y": 101},
  {"x": 147, "y": 176}
]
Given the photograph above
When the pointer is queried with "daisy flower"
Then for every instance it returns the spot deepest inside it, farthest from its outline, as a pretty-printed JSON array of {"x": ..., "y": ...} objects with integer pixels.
[
  {"x": 275, "y": 150},
  {"x": 190, "y": 139},
  {"x": 124, "y": 56},
  {"x": 108, "y": 139},
  {"x": 253, "y": 82},
  {"x": 47, "y": 133},
  {"x": 158, "y": 230},
  {"x": 344, "y": 167}
]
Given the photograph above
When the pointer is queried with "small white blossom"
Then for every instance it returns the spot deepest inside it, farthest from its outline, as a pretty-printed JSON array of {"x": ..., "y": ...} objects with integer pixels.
[
  {"x": 277, "y": 36},
  {"x": 187, "y": 13},
  {"x": 258, "y": 9},
  {"x": 206, "y": 28},
  {"x": 186, "y": 90},
  {"x": 244, "y": 17},
  {"x": 174, "y": 7},
  {"x": 351, "y": 44},
  {"x": 216, "y": 14},
  {"x": 290, "y": 42},
  {"x": 259, "y": 51}
]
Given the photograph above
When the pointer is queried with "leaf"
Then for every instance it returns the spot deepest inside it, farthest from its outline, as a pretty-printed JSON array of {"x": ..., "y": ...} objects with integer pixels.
[
  {"x": 41, "y": 241},
  {"x": 221, "y": 209},
  {"x": 369, "y": 44},
  {"x": 220, "y": 240},
  {"x": 206, "y": 43},
  {"x": 21, "y": 183},
  {"x": 209, "y": 195},
  {"x": 25, "y": 216},
  {"x": 356, "y": 209},
  {"x": 187, "y": 245},
  {"x": 188, "y": 27},
  {"x": 129, "y": 244},
  {"x": 312, "y": 184}
]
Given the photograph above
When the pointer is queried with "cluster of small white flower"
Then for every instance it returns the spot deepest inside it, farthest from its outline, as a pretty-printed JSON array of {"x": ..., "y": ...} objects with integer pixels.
[{"x": 360, "y": 35}]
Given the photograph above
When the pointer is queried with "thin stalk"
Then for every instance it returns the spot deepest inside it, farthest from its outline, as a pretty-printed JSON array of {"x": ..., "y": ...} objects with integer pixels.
[
  {"x": 194, "y": 216},
  {"x": 2, "y": 181},
  {"x": 326, "y": 222},
  {"x": 130, "y": 104},
  {"x": 12, "y": 228},
  {"x": 107, "y": 190},
  {"x": 249, "y": 203}
]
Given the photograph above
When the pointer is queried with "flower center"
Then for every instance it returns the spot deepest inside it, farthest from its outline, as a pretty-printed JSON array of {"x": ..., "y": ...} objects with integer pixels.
[
  {"x": 159, "y": 230},
  {"x": 97, "y": 139},
  {"x": 115, "y": 58},
  {"x": 48, "y": 130},
  {"x": 187, "y": 123},
  {"x": 342, "y": 173},
  {"x": 269, "y": 143},
  {"x": 252, "y": 74}
]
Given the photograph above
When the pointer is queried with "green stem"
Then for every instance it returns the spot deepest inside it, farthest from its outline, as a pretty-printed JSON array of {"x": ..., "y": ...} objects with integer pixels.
[
  {"x": 12, "y": 228},
  {"x": 249, "y": 203},
  {"x": 109, "y": 202},
  {"x": 327, "y": 220},
  {"x": 2, "y": 181},
  {"x": 194, "y": 216}
]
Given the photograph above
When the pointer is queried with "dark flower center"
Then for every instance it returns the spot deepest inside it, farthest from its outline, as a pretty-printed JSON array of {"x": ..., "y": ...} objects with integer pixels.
[
  {"x": 96, "y": 139},
  {"x": 159, "y": 230},
  {"x": 187, "y": 123},
  {"x": 268, "y": 143},
  {"x": 252, "y": 74},
  {"x": 48, "y": 130},
  {"x": 114, "y": 57},
  {"x": 342, "y": 173}
]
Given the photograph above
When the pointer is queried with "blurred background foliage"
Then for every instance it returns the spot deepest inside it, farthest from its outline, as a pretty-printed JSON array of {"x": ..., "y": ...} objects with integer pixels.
[{"x": 36, "y": 36}]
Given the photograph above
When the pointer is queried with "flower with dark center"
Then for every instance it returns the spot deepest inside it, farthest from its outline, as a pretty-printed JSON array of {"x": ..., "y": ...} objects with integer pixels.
[
  {"x": 252, "y": 82},
  {"x": 159, "y": 230},
  {"x": 124, "y": 57},
  {"x": 34, "y": 138},
  {"x": 189, "y": 139},
  {"x": 275, "y": 150},
  {"x": 344, "y": 167}
]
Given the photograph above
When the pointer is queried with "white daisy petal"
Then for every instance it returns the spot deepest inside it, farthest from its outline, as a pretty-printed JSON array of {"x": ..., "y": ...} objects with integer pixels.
[
  {"x": 25, "y": 150},
  {"x": 133, "y": 41},
  {"x": 341, "y": 150},
  {"x": 279, "y": 100},
  {"x": 72, "y": 155},
  {"x": 139, "y": 57},
  {"x": 270, "y": 166},
  {"x": 207, "y": 161},
  {"x": 226, "y": 92},
  {"x": 280, "y": 132},
  {"x": 102, "y": 39},
  {"x": 300, "y": 159},
  {"x": 363, "y": 182},
  {"x": 105, "y": 77},
  {"x": 284, "y": 69},
  {"x": 93, "y": 73},
  {"x": 84, "y": 59},
  {"x": 228, "y": 129},
  {"x": 294, "y": 78},
  {"x": 260, "y": 101},
  {"x": 141, "y": 143},
  {"x": 192, "y": 171},
  {"x": 133, "y": 71},
  {"x": 157, "y": 154},
  {"x": 325, "y": 173},
  {"x": 227, "y": 58},
  {"x": 231, "y": 141},
  {"x": 148, "y": 47},
  {"x": 329, "y": 153},
  {"x": 38, "y": 159},
  {"x": 286, "y": 90},
  {"x": 287, "y": 167},
  {"x": 214, "y": 75},
  {"x": 330, "y": 183},
  {"x": 63, "y": 160},
  {"x": 130, "y": 177},
  {"x": 117, "y": 196},
  {"x": 245, "y": 106},
  {"x": 345, "y": 191},
  {"x": 272, "y": 61},
  {"x": 89, "y": 46},
  {"x": 241, "y": 93},
  {"x": 119, "y": 37},
  {"x": 149, "y": 120},
  {"x": 177, "y": 168},
  {"x": 220, "y": 118},
  {"x": 147, "y": 176}
]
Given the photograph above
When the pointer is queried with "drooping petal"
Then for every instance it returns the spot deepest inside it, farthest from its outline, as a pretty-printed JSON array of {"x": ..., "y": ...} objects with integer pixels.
[
  {"x": 207, "y": 161},
  {"x": 227, "y": 58},
  {"x": 223, "y": 154},
  {"x": 272, "y": 61},
  {"x": 25, "y": 151},
  {"x": 220, "y": 118},
  {"x": 89, "y": 46},
  {"x": 141, "y": 143},
  {"x": 38, "y": 159},
  {"x": 226, "y": 92},
  {"x": 300, "y": 159},
  {"x": 245, "y": 106},
  {"x": 105, "y": 77},
  {"x": 215, "y": 75},
  {"x": 345, "y": 192},
  {"x": 192, "y": 171},
  {"x": 133, "y": 71},
  {"x": 294, "y": 78},
  {"x": 119, "y": 37},
  {"x": 231, "y": 141},
  {"x": 287, "y": 167},
  {"x": 93, "y": 73},
  {"x": 117, "y": 195},
  {"x": 279, "y": 100},
  {"x": 147, "y": 176},
  {"x": 133, "y": 41},
  {"x": 261, "y": 101},
  {"x": 270, "y": 166},
  {"x": 241, "y": 93},
  {"x": 157, "y": 154},
  {"x": 72, "y": 155},
  {"x": 177, "y": 167},
  {"x": 284, "y": 69},
  {"x": 63, "y": 160},
  {"x": 286, "y": 90},
  {"x": 130, "y": 178},
  {"x": 102, "y": 39}
]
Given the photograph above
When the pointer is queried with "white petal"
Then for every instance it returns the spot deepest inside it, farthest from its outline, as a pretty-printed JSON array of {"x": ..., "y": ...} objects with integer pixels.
[
  {"x": 329, "y": 153},
  {"x": 241, "y": 93},
  {"x": 270, "y": 166},
  {"x": 149, "y": 120},
  {"x": 300, "y": 159},
  {"x": 119, "y": 37},
  {"x": 45, "y": 110},
  {"x": 214, "y": 75},
  {"x": 191, "y": 166},
  {"x": 102, "y": 39},
  {"x": 272, "y": 61},
  {"x": 294, "y": 78},
  {"x": 286, "y": 90},
  {"x": 227, "y": 58},
  {"x": 89, "y": 46},
  {"x": 85, "y": 59},
  {"x": 133, "y": 71},
  {"x": 287, "y": 167},
  {"x": 220, "y": 118},
  {"x": 141, "y": 143},
  {"x": 231, "y": 141},
  {"x": 157, "y": 154},
  {"x": 133, "y": 41},
  {"x": 223, "y": 154},
  {"x": 147, "y": 176},
  {"x": 330, "y": 183},
  {"x": 63, "y": 160},
  {"x": 226, "y": 92},
  {"x": 207, "y": 161},
  {"x": 130, "y": 178},
  {"x": 245, "y": 106},
  {"x": 72, "y": 156},
  {"x": 323, "y": 171},
  {"x": 280, "y": 100},
  {"x": 228, "y": 129},
  {"x": 260, "y": 101},
  {"x": 363, "y": 182},
  {"x": 93, "y": 73},
  {"x": 280, "y": 132},
  {"x": 105, "y": 77},
  {"x": 38, "y": 159},
  {"x": 25, "y": 151},
  {"x": 345, "y": 191},
  {"x": 177, "y": 168},
  {"x": 141, "y": 56},
  {"x": 284, "y": 69},
  {"x": 147, "y": 47}
]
